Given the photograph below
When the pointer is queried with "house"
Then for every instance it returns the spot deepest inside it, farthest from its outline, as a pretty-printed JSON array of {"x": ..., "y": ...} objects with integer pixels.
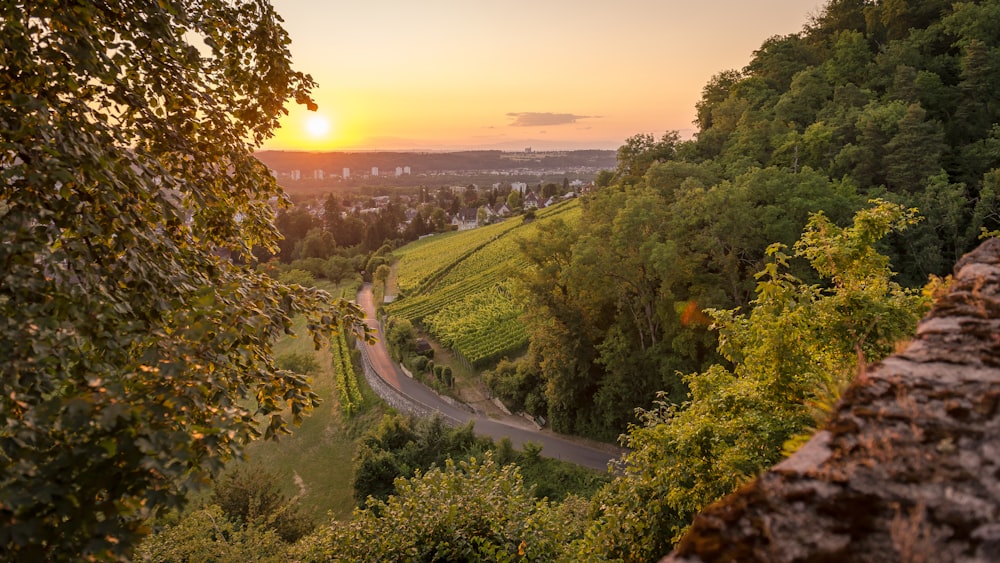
[
  {"x": 465, "y": 218},
  {"x": 530, "y": 200}
]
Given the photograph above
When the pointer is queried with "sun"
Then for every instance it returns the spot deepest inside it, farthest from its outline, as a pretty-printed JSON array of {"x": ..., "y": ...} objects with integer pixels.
[{"x": 318, "y": 126}]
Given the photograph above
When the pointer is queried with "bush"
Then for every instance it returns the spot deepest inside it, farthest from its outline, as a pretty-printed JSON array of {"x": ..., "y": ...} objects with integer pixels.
[
  {"x": 400, "y": 337},
  {"x": 303, "y": 363},
  {"x": 419, "y": 363},
  {"x": 315, "y": 266},
  {"x": 297, "y": 277},
  {"x": 250, "y": 496},
  {"x": 400, "y": 445},
  {"x": 516, "y": 384}
]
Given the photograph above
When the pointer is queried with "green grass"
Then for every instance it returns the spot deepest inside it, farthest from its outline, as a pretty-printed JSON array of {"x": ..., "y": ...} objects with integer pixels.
[{"x": 316, "y": 460}]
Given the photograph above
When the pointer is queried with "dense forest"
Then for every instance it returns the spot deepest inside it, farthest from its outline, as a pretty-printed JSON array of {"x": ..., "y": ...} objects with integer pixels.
[{"x": 890, "y": 100}]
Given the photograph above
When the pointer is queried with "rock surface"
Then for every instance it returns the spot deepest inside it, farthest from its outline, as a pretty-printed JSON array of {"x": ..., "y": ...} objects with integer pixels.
[{"x": 907, "y": 469}]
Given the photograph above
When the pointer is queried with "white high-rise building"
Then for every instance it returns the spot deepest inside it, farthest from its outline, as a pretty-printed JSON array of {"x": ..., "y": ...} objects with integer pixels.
[
  {"x": 399, "y": 171},
  {"x": 374, "y": 170},
  {"x": 347, "y": 173},
  {"x": 318, "y": 174},
  {"x": 296, "y": 174},
  {"x": 406, "y": 170}
]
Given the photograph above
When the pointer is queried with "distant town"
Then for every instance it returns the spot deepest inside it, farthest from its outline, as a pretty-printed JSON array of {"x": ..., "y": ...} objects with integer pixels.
[{"x": 306, "y": 173}]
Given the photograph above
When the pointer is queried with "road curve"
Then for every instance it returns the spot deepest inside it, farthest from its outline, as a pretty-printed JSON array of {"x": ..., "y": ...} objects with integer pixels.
[{"x": 516, "y": 429}]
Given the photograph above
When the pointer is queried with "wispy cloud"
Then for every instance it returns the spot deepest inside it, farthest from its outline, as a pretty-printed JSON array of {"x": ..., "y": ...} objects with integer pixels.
[{"x": 544, "y": 119}]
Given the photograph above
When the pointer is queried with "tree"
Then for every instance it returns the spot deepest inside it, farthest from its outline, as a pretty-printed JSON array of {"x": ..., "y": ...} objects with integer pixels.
[
  {"x": 399, "y": 446},
  {"x": 914, "y": 153},
  {"x": 800, "y": 343},
  {"x": 400, "y": 337},
  {"x": 514, "y": 200},
  {"x": 466, "y": 511},
  {"x": 318, "y": 243},
  {"x": 642, "y": 151},
  {"x": 136, "y": 357},
  {"x": 294, "y": 224},
  {"x": 206, "y": 534},
  {"x": 251, "y": 496}
]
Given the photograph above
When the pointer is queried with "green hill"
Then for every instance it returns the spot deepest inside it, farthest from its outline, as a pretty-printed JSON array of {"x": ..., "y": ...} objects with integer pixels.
[{"x": 458, "y": 286}]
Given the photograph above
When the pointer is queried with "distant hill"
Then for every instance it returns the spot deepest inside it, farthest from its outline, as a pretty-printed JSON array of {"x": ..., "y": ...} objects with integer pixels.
[{"x": 424, "y": 162}]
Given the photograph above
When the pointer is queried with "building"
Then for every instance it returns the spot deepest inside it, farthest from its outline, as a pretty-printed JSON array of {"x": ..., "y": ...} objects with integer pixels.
[
  {"x": 347, "y": 173},
  {"x": 374, "y": 170}
]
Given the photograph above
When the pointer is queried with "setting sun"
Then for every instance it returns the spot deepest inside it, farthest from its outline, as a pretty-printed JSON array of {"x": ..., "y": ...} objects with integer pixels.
[{"x": 318, "y": 127}]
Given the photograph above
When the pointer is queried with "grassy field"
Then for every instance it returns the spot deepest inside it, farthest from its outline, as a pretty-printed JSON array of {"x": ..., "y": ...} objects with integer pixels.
[{"x": 316, "y": 460}]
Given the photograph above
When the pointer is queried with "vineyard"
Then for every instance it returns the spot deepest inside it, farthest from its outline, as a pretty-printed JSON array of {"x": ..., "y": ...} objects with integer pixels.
[
  {"x": 458, "y": 286},
  {"x": 423, "y": 261},
  {"x": 346, "y": 379}
]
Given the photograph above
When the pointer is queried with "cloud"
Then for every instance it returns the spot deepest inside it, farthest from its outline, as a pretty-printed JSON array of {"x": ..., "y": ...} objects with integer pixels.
[{"x": 539, "y": 119}]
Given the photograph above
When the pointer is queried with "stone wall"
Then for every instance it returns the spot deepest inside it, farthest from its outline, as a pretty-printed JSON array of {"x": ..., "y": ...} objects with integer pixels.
[
  {"x": 392, "y": 397},
  {"x": 907, "y": 469}
]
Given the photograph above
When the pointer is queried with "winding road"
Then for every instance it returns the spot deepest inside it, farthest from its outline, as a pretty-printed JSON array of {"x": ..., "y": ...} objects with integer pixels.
[{"x": 517, "y": 429}]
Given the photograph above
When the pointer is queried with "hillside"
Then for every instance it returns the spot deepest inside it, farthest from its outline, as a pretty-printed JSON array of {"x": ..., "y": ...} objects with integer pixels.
[
  {"x": 906, "y": 469},
  {"x": 896, "y": 101},
  {"x": 459, "y": 286}
]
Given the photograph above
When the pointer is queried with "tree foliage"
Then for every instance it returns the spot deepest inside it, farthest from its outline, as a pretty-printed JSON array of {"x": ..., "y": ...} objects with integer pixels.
[
  {"x": 400, "y": 446},
  {"x": 207, "y": 534},
  {"x": 799, "y": 345},
  {"x": 893, "y": 100},
  {"x": 467, "y": 511},
  {"x": 137, "y": 357}
]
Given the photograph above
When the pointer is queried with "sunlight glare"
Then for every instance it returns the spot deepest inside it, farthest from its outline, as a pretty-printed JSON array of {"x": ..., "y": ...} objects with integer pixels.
[{"x": 318, "y": 126}]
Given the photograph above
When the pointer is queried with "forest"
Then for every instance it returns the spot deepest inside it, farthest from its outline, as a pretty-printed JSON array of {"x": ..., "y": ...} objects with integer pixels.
[
  {"x": 891, "y": 100},
  {"x": 706, "y": 309}
]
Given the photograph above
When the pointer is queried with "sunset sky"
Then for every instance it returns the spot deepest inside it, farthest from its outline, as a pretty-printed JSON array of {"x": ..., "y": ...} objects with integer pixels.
[{"x": 546, "y": 74}]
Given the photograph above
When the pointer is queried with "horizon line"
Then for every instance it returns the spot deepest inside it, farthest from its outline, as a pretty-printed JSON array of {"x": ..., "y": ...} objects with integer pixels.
[{"x": 437, "y": 150}]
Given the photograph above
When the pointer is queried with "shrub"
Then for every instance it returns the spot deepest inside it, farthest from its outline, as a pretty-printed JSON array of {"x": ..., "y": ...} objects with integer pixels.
[
  {"x": 303, "y": 363},
  {"x": 297, "y": 277},
  {"x": 251, "y": 496},
  {"x": 420, "y": 363}
]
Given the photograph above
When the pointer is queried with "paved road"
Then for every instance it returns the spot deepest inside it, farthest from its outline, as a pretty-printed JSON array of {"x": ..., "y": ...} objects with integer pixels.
[{"x": 517, "y": 429}]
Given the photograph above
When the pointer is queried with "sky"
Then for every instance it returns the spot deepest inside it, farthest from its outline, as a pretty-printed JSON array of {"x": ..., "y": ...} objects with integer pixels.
[{"x": 485, "y": 74}]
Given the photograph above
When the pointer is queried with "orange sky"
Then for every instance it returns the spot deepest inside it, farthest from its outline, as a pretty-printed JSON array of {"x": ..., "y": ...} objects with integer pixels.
[{"x": 549, "y": 74}]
